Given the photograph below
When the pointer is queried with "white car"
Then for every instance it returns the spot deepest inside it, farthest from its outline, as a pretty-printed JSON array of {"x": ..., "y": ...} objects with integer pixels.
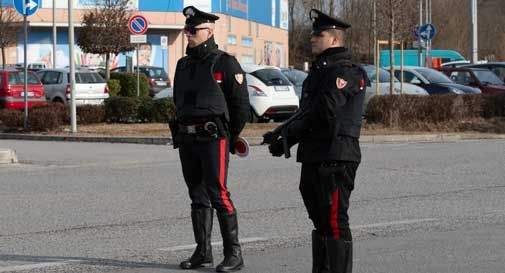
[
  {"x": 90, "y": 87},
  {"x": 384, "y": 85},
  {"x": 271, "y": 94},
  {"x": 164, "y": 93}
]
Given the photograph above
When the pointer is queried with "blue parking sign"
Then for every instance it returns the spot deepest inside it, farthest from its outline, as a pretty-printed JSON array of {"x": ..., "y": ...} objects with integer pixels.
[{"x": 31, "y": 6}]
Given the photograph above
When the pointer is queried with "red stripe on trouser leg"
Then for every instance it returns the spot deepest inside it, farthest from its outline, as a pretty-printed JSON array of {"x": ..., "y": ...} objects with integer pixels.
[
  {"x": 222, "y": 175},
  {"x": 334, "y": 215}
]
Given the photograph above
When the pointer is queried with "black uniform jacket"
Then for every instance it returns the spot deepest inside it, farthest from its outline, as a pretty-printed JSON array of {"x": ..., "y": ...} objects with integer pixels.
[
  {"x": 232, "y": 81},
  {"x": 332, "y": 95}
]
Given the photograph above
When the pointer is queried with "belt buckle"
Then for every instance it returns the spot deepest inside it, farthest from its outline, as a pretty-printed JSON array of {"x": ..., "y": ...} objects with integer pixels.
[{"x": 191, "y": 129}]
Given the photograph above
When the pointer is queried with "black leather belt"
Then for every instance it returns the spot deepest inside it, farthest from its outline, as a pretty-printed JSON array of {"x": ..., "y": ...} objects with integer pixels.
[{"x": 208, "y": 128}]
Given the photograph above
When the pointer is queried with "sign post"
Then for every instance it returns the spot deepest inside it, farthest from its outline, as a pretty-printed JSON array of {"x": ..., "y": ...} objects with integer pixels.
[
  {"x": 164, "y": 46},
  {"x": 26, "y": 8},
  {"x": 426, "y": 32},
  {"x": 138, "y": 26}
]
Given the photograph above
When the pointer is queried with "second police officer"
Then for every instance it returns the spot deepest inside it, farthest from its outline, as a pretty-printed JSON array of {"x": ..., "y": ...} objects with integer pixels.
[
  {"x": 328, "y": 137},
  {"x": 212, "y": 107}
]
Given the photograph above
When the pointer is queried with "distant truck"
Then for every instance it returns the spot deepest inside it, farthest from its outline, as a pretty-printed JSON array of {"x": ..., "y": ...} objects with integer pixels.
[{"x": 410, "y": 57}]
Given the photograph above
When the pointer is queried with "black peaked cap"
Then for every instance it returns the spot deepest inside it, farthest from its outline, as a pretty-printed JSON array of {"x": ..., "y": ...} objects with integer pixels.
[
  {"x": 195, "y": 16},
  {"x": 321, "y": 22}
]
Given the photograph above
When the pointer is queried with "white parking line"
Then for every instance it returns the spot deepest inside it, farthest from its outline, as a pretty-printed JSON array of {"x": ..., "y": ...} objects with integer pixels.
[
  {"x": 192, "y": 246},
  {"x": 37, "y": 266},
  {"x": 395, "y": 223}
]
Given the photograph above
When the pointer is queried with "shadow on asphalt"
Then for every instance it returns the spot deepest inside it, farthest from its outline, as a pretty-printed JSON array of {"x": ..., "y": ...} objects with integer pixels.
[{"x": 86, "y": 261}]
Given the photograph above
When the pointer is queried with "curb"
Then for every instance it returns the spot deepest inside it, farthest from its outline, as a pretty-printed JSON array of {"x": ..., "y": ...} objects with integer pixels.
[
  {"x": 8, "y": 156},
  {"x": 254, "y": 141}
]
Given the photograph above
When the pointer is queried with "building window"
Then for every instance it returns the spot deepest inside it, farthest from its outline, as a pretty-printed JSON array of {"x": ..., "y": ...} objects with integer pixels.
[
  {"x": 232, "y": 39},
  {"x": 247, "y": 59},
  {"x": 246, "y": 42}
]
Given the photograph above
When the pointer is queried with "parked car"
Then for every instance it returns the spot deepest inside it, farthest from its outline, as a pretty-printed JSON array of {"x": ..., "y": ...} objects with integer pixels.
[
  {"x": 296, "y": 77},
  {"x": 497, "y": 67},
  {"x": 384, "y": 85},
  {"x": 484, "y": 79},
  {"x": 31, "y": 66},
  {"x": 165, "y": 93},
  {"x": 90, "y": 87},
  {"x": 271, "y": 94},
  {"x": 455, "y": 63},
  {"x": 157, "y": 77},
  {"x": 12, "y": 89},
  {"x": 433, "y": 81}
]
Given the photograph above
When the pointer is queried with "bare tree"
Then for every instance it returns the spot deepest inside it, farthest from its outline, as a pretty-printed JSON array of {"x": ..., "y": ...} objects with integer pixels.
[
  {"x": 105, "y": 30},
  {"x": 398, "y": 18},
  {"x": 9, "y": 27}
]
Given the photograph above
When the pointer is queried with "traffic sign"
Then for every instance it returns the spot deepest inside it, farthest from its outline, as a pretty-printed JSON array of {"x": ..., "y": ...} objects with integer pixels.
[
  {"x": 164, "y": 42},
  {"x": 138, "y": 39},
  {"x": 427, "y": 32},
  {"x": 30, "y": 6},
  {"x": 138, "y": 24}
]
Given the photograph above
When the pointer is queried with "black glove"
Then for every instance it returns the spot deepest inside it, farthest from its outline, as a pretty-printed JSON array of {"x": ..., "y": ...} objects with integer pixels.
[
  {"x": 233, "y": 139},
  {"x": 276, "y": 148}
]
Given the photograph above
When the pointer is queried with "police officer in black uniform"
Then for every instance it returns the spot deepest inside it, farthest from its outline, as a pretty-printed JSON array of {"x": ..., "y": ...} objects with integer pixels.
[
  {"x": 328, "y": 137},
  {"x": 212, "y": 107}
]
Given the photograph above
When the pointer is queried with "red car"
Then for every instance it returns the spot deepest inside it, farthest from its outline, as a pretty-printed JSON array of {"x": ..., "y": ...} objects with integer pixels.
[
  {"x": 481, "y": 78},
  {"x": 12, "y": 89}
]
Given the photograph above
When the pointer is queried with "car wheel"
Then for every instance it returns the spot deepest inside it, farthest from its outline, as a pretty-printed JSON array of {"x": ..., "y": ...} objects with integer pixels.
[{"x": 58, "y": 100}]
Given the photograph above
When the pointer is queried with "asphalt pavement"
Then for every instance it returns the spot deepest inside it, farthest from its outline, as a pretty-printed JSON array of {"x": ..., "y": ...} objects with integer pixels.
[{"x": 100, "y": 207}]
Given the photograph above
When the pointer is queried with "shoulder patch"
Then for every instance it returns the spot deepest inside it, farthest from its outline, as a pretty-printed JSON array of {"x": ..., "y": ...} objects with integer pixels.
[
  {"x": 341, "y": 83},
  {"x": 239, "y": 78}
]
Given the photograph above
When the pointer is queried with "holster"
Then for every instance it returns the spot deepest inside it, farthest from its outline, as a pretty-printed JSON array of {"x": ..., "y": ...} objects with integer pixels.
[
  {"x": 174, "y": 129},
  {"x": 327, "y": 182}
]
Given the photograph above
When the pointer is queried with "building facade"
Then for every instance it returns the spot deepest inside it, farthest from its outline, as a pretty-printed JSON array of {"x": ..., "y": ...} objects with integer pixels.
[{"x": 255, "y": 31}]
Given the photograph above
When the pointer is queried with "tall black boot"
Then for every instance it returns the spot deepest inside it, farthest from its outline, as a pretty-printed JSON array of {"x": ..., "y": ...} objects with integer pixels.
[
  {"x": 339, "y": 254},
  {"x": 202, "y": 229},
  {"x": 319, "y": 261},
  {"x": 231, "y": 248}
]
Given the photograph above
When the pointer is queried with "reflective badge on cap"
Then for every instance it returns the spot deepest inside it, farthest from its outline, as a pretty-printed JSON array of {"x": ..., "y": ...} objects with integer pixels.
[
  {"x": 341, "y": 83},
  {"x": 239, "y": 78},
  {"x": 190, "y": 12}
]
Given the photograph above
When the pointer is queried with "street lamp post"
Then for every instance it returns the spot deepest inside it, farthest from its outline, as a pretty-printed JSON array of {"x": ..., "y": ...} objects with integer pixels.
[
  {"x": 71, "y": 42},
  {"x": 54, "y": 33},
  {"x": 475, "y": 48}
]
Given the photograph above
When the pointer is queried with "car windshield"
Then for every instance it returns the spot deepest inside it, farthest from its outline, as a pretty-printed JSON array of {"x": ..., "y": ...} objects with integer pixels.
[
  {"x": 488, "y": 77},
  {"x": 156, "y": 73},
  {"x": 384, "y": 75},
  {"x": 19, "y": 78},
  {"x": 295, "y": 76},
  {"x": 434, "y": 76},
  {"x": 87, "y": 77},
  {"x": 271, "y": 77}
]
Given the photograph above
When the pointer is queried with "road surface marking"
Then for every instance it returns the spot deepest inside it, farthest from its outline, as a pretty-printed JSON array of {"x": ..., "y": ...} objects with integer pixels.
[
  {"x": 395, "y": 223},
  {"x": 192, "y": 246}
]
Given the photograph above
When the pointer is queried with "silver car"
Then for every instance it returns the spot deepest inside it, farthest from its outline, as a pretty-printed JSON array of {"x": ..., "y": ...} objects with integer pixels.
[
  {"x": 90, "y": 87},
  {"x": 384, "y": 85}
]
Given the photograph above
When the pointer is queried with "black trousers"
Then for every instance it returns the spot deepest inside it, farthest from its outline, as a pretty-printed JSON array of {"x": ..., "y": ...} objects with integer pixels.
[
  {"x": 327, "y": 205},
  {"x": 205, "y": 170}
]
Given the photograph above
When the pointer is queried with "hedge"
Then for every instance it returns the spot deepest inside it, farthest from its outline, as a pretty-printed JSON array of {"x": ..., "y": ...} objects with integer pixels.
[
  {"x": 142, "y": 109},
  {"x": 417, "y": 112},
  {"x": 128, "y": 84}
]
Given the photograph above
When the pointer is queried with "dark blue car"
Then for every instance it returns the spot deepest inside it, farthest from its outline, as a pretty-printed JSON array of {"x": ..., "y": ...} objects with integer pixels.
[{"x": 434, "y": 82}]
